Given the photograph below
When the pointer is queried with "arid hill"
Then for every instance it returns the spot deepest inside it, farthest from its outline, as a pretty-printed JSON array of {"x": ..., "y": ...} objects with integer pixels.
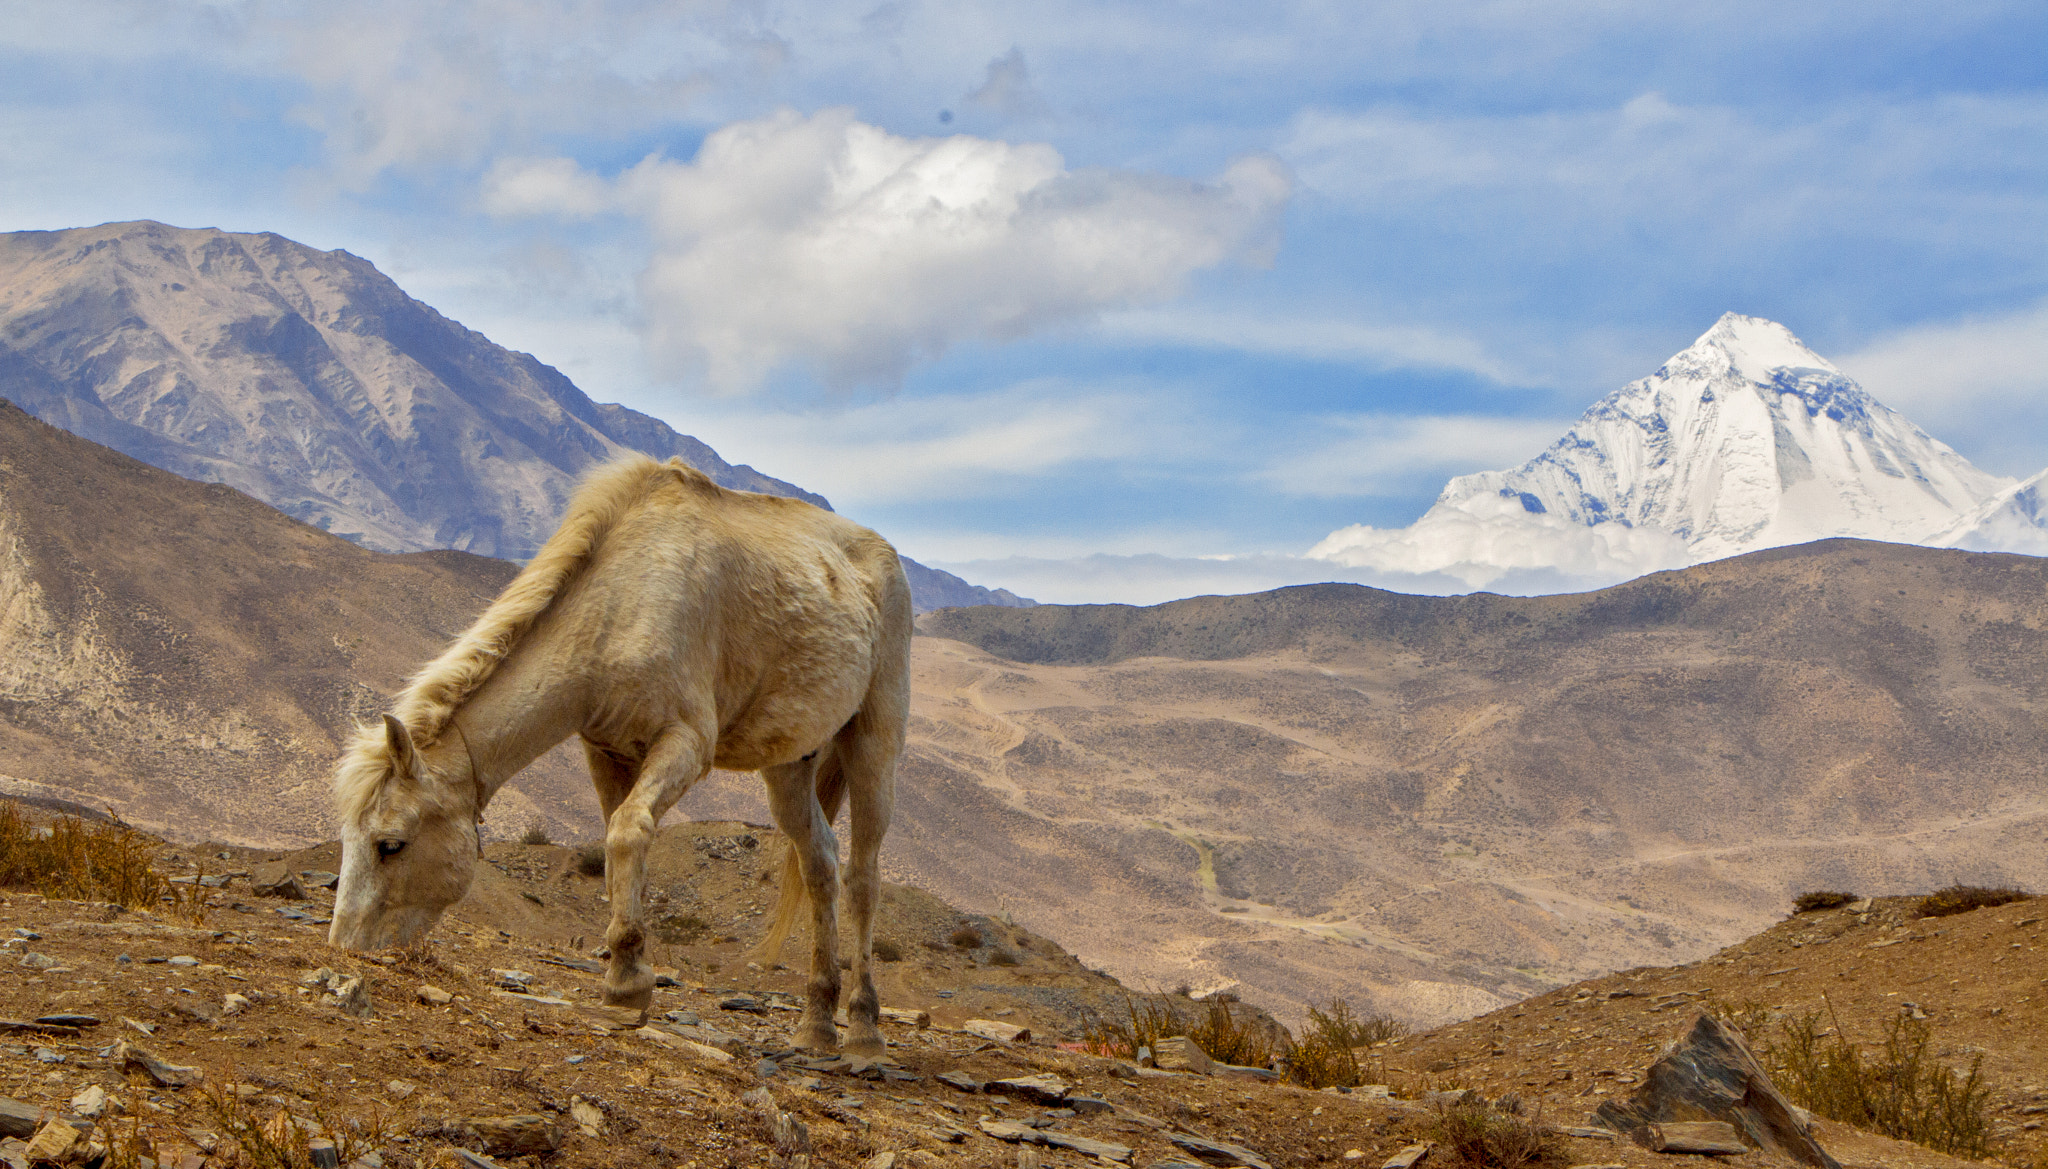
[
  {"x": 1450, "y": 803},
  {"x": 189, "y": 656}
]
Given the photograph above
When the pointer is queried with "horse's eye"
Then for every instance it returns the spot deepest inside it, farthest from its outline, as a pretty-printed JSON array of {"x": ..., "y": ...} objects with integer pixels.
[{"x": 390, "y": 848}]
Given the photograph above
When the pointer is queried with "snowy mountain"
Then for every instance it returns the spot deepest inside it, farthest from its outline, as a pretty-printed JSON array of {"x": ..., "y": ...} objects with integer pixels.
[
  {"x": 2015, "y": 520},
  {"x": 1746, "y": 440}
]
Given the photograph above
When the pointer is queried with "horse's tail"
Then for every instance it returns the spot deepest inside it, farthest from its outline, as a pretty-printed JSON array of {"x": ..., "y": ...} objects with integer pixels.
[{"x": 793, "y": 895}]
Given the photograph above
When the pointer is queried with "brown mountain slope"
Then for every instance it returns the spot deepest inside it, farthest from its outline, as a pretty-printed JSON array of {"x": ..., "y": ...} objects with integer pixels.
[
  {"x": 187, "y": 654},
  {"x": 1440, "y": 804}
]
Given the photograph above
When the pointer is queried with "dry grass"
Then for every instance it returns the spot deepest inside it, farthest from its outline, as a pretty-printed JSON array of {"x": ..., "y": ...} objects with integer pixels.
[
  {"x": 1900, "y": 1091},
  {"x": 1964, "y": 898},
  {"x": 241, "y": 1138},
  {"x": 886, "y": 950},
  {"x": 1820, "y": 899},
  {"x": 536, "y": 833},
  {"x": 1221, "y": 1033},
  {"x": 590, "y": 860},
  {"x": 966, "y": 938},
  {"x": 1478, "y": 1137},
  {"x": 79, "y": 861},
  {"x": 1329, "y": 1052}
]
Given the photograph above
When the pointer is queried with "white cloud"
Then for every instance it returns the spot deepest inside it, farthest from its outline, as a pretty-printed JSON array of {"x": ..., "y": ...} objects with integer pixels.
[
  {"x": 1943, "y": 366},
  {"x": 836, "y": 245},
  {"x": 1376, "y": 454},
  {"x": 960, "y": 447},
  {"x": 1490, "y": 542},
  {"x": 1008, "y": 89}
]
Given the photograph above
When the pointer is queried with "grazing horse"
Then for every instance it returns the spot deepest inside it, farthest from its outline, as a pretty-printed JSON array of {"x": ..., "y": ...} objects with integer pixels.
[{"x": 675, "y": 626}]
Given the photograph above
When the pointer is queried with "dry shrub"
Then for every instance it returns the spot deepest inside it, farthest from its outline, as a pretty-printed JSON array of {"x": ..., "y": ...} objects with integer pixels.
[
  {"x": 590, "y": 860},
  {"x": 1222, "y": 1034},
  {"x": 965, "y": 938},
  {"x": 1002, "y": 958},
  {"x": 1478, "y": 1137},
  {"x": 246, "y": 1140},
  {"x": 536, "y": 833},
  {"x": 886, "y": 950},
  {"x": 1899, "y": 1092},
  {"x": 79, "y": 861},
  {"x": 1328, "y": 1054},
  {"x": 1820, "y": 899},
  {"x": 1964, "y": 898}
]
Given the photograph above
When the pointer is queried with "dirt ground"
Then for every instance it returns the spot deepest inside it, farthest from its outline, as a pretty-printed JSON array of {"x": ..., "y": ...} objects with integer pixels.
[{"x": 413, "y": 1077}]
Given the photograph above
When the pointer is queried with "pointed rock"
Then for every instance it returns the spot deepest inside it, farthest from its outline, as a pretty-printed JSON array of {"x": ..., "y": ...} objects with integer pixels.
[{"x": 1711, "y": 1074}]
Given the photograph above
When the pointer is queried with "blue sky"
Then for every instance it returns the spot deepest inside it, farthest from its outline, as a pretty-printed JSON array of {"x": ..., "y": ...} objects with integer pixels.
[{"x": 1059, "y": 281}]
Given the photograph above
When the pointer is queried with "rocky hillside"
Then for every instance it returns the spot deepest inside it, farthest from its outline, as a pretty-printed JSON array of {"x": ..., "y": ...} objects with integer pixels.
[
  {"x": 309, "y": 380},
  {"x": 199, "y": 1027}
]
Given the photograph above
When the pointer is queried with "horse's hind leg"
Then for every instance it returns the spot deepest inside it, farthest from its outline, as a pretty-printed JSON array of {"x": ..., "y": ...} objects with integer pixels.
[
  {"x": 680, "y": 757},
  {"x": 792, "y": 795},
  {"x": 868, "y": 749}
]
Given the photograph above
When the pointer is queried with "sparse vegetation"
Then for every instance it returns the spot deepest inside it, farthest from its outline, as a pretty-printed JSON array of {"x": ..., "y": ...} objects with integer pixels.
[
  {"x": 1226, "y": 1036},
  {"x": 246, "y": 1140},
  {"x": 590, "y": 860},
  {"x": 1478, "y": 1137},
  {"x": 536, "y": 833},
  {"x": 1901, "y": 1091},
  {"x": 1820, "y": 899},
  {"x": 1964, "y": 898},
  {"x": 1329, "y": 1052},
  {"x": 965, "y": 938},
  {"x": 886, "y": 950},
  {"x": 1002, "y": 957},
  {"x": 80, "y": 861}
]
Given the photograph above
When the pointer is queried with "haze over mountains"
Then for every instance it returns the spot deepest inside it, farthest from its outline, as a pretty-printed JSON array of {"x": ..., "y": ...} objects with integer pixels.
[
  {"x": 1746, "y": 440},
  {"x": 309, "y": 380}
]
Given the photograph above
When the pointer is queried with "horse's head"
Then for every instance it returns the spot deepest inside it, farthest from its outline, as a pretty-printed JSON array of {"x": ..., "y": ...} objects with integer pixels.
[{"x": 408, "y": 839}]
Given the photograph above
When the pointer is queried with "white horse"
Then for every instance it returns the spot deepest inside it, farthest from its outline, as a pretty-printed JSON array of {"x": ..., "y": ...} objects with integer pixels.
[{"x": 675, "y": 626}]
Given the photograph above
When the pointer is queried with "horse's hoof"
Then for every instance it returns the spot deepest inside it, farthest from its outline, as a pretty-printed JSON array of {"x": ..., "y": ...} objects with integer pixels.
[
  {"x": 813, "y": 1037},
  {"x": 632, "y": 998},
  {"x": 867, "y": 1046}
]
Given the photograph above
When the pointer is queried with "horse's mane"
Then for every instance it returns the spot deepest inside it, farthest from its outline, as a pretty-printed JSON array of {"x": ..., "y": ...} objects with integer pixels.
[{"x": 431, "y": 696}]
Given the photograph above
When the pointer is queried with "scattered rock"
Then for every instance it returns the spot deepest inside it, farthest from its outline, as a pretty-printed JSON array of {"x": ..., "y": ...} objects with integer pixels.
[
  {"x": 523, "y": 1135},
  {"x": 1407, "y": 1157},
  {"x": 918, "y": 1019},
  {"x": 743, "y": 1002},
  {"x": 1711, "y": 1073},
  {"x": 1010, "y": 1130},
  {"x": 434, "y": 996},
  {"x": 690, "y": 1047},
  {"x": 1178, "y": 1053},
  {"x": 36, "y": 961},
  {"x": 51, "y": 1143},
  {"x": 400, "y": 1089},
  {"x": 353, "y": 999},
  {"x": 1714, "y": 1137},
  {"x": 885, "y": 1160},
  {"x": 588, "y": 1117},
  {"x": 1217, "y": 1152},
  {"x": 169, "y": 1075},
  {"x": 184, "y": 960},
  {"x": 274, "y": 880},
  {"x": 233, "y": 1004},
  {"x": 19, "y": 1120},
  {"x": 90, "y": 1102},
  {"x": 960, "y": 1080},
  {"x": 998, "y": 1031},
  {"x": 67, "y": 1019},
  {"x": 1043, "y": 1088},
  {"x": 1089, "y": 1105},
  {"x": 48, "y": 1055},
  {"x": 320, "y": 878}
]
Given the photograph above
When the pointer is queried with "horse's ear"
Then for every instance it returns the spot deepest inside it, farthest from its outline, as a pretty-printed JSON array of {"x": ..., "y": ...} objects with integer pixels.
[{"x": 404, "y": 755}]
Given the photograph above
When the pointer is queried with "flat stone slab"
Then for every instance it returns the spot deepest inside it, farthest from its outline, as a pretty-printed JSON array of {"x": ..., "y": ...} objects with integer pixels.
[
  {"x": 1043, "y": 1088},
  {"x": 1010, "y": 1130},
  {"x": 998, "y": 1031},
  {"x": 1709, "y": 1137},
  {"x": 1217, "y": 1152}
]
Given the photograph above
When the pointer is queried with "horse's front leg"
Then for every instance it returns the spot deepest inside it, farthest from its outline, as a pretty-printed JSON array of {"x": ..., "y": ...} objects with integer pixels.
[{"x": 679, "y": 758}]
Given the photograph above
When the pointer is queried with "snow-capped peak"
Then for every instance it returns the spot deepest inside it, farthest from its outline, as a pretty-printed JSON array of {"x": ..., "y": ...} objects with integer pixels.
[
  {"x": 1750, "y": 348},
  {"x": 1747, "y": 439}
]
